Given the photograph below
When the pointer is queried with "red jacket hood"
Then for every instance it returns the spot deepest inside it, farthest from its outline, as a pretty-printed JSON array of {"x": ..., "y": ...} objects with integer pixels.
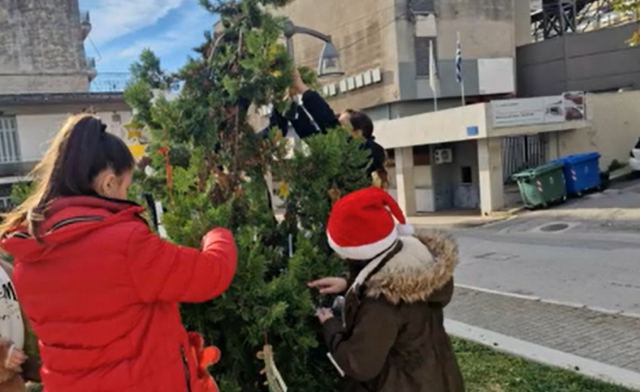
[{"x": 67, "y": 219}]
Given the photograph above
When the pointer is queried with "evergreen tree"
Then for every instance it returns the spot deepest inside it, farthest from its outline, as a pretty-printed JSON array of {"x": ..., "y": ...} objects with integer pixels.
[{"x": 210, "y": 167}]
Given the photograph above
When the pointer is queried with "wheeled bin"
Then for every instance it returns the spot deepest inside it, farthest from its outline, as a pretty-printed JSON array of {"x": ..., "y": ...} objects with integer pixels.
[
  {"x": 582, "y": 172},
  {"x": 542, "y": 185}
]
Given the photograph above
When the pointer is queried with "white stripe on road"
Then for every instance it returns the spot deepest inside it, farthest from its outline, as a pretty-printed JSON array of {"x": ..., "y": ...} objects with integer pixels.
[{"x": 545, "y": 355}]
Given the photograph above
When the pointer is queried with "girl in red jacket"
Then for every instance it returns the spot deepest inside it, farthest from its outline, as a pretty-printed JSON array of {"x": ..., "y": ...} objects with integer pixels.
[{"x": 100, "y": 290}]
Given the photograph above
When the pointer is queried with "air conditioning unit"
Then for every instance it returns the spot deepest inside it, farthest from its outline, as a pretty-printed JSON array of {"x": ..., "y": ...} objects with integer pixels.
[{"x": 443, "y": 155}]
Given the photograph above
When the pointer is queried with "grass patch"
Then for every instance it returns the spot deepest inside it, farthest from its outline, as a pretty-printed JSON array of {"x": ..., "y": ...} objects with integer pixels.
[{"x": 487, "y": 370}]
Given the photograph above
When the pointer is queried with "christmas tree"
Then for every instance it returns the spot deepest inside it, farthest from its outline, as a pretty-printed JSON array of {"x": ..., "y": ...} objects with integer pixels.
[{"x": 209, "y": 168}]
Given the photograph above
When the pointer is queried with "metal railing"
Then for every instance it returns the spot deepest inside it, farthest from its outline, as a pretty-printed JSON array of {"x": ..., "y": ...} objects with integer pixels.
[
  {"x": 558, "y": 17},
  {"x": 6, "y": 203},
  {"x": 110, "y": 82}
]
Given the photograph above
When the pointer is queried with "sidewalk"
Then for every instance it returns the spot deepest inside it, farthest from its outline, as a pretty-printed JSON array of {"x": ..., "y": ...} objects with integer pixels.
[
  {"x": 608, "y": 339},
  {"x": 454, "y": 219}
]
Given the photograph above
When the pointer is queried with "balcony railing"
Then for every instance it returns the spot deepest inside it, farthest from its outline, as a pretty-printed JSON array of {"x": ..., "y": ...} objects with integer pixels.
[
  {"x": 110, "y": 82},
  {"x": 17, "y": 168}
]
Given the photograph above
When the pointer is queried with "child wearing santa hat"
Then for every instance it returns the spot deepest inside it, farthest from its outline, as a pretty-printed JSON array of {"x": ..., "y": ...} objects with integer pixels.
[{"x": 391, "y": 336}]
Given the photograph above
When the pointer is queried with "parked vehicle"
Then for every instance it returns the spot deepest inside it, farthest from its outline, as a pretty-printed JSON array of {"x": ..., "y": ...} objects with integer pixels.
[{"x": 634, "y": 161}]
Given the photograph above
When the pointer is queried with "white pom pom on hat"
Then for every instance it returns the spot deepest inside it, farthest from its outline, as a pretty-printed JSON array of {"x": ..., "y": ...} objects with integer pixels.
[
  {"x": 363, "y": 224},
  {"x": 405, "y": 230}
]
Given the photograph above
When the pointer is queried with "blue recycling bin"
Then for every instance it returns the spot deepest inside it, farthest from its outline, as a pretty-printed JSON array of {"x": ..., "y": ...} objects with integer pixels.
[{"x": 582, "y": 172}]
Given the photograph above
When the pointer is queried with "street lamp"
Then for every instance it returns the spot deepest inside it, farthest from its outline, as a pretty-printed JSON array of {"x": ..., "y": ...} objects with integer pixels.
[{"x": 329, "y": 61}]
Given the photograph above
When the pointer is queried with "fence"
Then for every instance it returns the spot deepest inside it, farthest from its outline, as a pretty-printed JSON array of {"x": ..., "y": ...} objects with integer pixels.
[
  {"x": 522, "y": 152},
  {"x": 110, "y": 82}
]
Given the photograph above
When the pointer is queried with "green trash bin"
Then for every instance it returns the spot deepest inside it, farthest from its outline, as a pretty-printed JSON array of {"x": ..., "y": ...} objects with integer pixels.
[{"x": 542, "y": 185}]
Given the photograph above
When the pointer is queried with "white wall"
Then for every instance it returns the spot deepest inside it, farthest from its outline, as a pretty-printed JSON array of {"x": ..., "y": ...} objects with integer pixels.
[
  {"x": 433, "y": 128},
  {"x": 424, "y": 199},
  {"x": 36, "y": 131},
  {"x": 423, "y": 182},
  {"x": 614, "y": 130}
]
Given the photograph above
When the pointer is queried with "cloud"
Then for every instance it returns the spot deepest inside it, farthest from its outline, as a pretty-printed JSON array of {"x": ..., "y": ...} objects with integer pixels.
[
  {"x": 172, "y": 44},
  {"x": 111, "y": 19}
]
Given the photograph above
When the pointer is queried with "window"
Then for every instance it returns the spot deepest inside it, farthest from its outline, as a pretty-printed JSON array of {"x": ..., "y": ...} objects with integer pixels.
[
  {"x": 5, "y": 204},
  {"x": 422, "y": 55},
  {"x": 391, "y": 158},
  {"x": 467, "y": 176},
  {"x": 421, "y": 155},
  {"x": 422, "y": 6},
  {"x": 9, "y": 146}
]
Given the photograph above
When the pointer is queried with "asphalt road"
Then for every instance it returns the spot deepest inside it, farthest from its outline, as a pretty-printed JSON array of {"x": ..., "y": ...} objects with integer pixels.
[{"x": 586, "y": 253}]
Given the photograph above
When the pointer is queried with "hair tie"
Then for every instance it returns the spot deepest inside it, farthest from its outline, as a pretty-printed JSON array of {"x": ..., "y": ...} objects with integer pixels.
[{"x": 33, "y": 216}]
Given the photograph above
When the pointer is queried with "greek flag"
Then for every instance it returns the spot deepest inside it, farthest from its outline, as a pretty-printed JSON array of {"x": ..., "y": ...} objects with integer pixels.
[{"x": 459, "y": 60}]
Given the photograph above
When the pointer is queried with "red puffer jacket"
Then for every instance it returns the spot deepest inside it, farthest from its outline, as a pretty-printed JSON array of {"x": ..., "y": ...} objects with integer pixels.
[{"x": 102, "y": 295}]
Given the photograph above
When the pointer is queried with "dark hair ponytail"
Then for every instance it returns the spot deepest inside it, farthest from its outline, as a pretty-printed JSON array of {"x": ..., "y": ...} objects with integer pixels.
[
  {"x": 81, "y": 150},
  {"x": 87, "y": 151},
  {"x": 360, "y": 121}
]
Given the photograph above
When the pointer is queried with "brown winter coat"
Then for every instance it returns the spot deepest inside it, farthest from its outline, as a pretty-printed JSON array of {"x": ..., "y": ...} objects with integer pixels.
[{"x": 392, "y": 338}]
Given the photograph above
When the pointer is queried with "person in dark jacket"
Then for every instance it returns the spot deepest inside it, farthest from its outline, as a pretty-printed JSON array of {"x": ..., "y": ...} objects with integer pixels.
[
  {"x": 391, "y": 337},
  {"x": 362, "y": 128},
  {"x": 314, "y": 115},
  {"x": 311, "y": 116}
]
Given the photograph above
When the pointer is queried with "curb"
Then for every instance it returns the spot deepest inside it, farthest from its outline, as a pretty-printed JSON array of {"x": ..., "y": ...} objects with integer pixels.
[
  {"x": 574, "y": 305},
  {"x": 544, "y": 355}
]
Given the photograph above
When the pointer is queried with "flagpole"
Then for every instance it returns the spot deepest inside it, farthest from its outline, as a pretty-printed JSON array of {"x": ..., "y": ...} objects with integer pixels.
[
  {"x": 459, "y": 68},
  {"x": 433, "y": 75}
]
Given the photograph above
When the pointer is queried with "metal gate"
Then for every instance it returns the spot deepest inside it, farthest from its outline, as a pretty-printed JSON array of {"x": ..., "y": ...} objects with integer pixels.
[{"x": 522, "y": 152}]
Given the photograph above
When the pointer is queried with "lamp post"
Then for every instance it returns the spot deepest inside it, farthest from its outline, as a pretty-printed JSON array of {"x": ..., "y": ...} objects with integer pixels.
[{"x": 329, "y": 61}]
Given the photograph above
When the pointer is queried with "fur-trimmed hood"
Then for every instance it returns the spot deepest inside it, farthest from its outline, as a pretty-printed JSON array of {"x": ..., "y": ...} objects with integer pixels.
[{"x": 424, "y": 264}]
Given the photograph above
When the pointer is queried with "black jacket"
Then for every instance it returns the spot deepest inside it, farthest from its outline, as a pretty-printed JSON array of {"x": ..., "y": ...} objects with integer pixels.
[
  {"x": 378, "y": 155},
  {"x": 313, "y": 116}
]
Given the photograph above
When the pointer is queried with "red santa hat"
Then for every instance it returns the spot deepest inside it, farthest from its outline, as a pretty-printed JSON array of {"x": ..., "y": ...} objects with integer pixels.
[{"x": 361, "y": 224}]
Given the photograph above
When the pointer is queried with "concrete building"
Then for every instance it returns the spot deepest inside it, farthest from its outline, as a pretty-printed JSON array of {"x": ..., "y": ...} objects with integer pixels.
[
  {"x": 44, "y": 77},
  {"x": 28, "y": 122},
  {"x": 597, "y": 61},
  {"x": 41, "y": 47},
  {"x": 384, "y": 47},
  {"x": 460, "y": 158}
]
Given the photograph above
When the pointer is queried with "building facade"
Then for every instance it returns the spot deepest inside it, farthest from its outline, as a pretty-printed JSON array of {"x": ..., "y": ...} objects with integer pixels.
[
  {"x": 384, "y": 48},
  {"x": 459, "y": 158},
  {"x": 28, "y": 123},
  {"x": 42, "y": 47}
]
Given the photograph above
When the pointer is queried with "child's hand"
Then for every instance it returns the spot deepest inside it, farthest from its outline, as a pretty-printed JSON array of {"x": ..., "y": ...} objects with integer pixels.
[
  {"x": 329, "y": 285},
  {"x": 324, "y": 314},
  {"x": 15, "y": 359}
]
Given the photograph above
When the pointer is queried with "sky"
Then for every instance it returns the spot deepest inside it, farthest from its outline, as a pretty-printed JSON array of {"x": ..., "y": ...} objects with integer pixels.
[{"x": 121, "y": 29}]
